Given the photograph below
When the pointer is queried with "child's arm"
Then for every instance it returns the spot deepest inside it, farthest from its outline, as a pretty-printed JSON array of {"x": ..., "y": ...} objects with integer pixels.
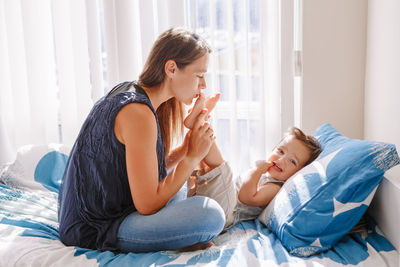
[{"x": 252, "y": 195}]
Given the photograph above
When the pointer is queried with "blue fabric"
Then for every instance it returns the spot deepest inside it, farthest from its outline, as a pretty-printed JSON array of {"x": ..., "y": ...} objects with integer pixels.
[
  {"x": 322, "y": 202},
  {"x": 50, "y": 169},
  {"x": 94, "y": 195}
]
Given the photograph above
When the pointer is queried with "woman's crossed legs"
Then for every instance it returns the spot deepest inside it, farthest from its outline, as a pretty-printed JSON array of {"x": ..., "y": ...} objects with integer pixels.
[{"x": 183, "y": 222}]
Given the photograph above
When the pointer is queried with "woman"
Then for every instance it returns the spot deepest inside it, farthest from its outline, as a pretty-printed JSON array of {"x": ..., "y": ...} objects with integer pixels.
[{"x": 116, "y": 194}]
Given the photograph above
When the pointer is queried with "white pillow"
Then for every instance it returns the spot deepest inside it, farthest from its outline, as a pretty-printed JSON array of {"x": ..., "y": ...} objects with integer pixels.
[{"x": 37, "y": 167}]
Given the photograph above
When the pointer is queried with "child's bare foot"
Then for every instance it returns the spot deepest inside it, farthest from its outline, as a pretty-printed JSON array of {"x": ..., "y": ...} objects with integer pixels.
[
  {"x": 195, "y": 111},
  {"x": 196, "y": 247},
  {"x": 200, "y": 104},
  {"x": 211, "y": 102}
]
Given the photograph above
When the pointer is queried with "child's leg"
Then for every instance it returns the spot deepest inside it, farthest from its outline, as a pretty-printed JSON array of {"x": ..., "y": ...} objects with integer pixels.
[
  {"x": 213, "y": 159},
  {"x": 181, "y": 223},
  {"x": 219, "y": 185}
]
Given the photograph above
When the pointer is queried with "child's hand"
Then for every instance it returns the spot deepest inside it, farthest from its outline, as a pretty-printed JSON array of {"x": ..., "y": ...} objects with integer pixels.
[{"x": 263, "y": 165}]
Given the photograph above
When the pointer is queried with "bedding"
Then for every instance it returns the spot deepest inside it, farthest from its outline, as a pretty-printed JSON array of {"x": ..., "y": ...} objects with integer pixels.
[{"x": 29, "y": 236}]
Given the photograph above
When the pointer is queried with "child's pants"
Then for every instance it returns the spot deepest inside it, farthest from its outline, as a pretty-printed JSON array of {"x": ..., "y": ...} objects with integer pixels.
[{"x": 218, "y": 184}]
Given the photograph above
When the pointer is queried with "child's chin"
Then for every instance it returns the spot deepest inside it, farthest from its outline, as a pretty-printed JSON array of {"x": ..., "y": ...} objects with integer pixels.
[
  {"x": 272, "y": 176},
  {"x": 277, "y": 177}
]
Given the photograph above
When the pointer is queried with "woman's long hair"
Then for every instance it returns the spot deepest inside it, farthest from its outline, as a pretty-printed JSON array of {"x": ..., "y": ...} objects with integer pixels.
[{"x": 183, "y": 47}]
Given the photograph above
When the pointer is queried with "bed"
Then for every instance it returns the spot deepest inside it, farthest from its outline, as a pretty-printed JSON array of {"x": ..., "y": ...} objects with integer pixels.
[{"x": 29, "y": 236}]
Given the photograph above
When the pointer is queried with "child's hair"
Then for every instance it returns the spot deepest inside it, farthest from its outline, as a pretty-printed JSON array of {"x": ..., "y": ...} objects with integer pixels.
[{"x": 309, "y": 141}]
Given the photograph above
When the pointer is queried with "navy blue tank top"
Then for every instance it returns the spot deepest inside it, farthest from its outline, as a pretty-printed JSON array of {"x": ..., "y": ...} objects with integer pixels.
[{"x": 94, "y": 196}]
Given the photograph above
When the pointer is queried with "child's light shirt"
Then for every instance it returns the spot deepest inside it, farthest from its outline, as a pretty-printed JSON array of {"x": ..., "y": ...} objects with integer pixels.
[{"x": 245, "y": 212}]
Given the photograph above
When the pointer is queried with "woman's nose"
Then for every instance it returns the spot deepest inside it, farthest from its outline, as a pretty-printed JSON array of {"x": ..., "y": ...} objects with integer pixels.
[{"x": 202, "y": 84}]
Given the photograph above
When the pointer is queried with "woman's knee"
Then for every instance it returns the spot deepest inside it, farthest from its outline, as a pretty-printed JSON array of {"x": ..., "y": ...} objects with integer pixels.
[
  {"x": 209, "y": 214},
  {"x": 183, "y": 223}
]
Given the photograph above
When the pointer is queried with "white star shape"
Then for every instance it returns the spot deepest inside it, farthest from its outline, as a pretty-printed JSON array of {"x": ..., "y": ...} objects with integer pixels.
[
  {"x": 316, "y": 243},
  {"x": 290, "y": 188},
  {"x": 343, "y": 207},
  {"x": 319, "y": 166}
]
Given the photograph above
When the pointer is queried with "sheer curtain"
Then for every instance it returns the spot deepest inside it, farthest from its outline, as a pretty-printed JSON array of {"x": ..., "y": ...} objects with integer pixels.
[
  {"x": 45, "y": 85},
  {"x": 251, "y": 66},
  {"x": 57, "y": 57}
]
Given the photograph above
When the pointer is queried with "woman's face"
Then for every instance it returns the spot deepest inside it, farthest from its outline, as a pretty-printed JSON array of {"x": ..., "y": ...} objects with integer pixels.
[{"x": 189, "y": 81}]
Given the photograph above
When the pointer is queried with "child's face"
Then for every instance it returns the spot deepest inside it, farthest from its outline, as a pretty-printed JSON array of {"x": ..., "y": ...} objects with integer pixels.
[{"x": 288, "y": 157}]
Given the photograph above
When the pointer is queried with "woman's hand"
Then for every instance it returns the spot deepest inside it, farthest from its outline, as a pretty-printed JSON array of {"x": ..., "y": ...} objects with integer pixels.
[
  {"x": 178, "y": 153},
  {"x": 201, "y": 138},
  {"x": 185, "y": 144}
]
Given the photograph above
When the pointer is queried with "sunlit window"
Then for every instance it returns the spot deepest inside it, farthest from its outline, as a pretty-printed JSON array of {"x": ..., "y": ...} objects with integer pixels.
[{"x": 234, "y": 31}]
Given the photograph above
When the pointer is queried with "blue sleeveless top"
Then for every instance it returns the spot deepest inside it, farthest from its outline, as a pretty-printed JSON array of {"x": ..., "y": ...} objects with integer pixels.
[{"x": 94, "y": 196}]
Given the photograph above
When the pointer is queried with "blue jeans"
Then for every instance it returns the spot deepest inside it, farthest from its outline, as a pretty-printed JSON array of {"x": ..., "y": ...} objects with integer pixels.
[{"x": 182, "y": 222}]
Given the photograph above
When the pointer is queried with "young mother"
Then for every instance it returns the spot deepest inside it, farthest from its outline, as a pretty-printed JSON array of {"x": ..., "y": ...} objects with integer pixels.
[{"x": 116, "y": 194}]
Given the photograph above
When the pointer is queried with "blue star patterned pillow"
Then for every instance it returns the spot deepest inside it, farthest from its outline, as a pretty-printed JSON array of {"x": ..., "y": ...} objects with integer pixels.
[{"x": 322, "y": 202}]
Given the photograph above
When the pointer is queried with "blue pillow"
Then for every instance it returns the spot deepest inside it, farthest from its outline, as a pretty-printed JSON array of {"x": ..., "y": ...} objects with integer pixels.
[{"x": 322, "y": 202}]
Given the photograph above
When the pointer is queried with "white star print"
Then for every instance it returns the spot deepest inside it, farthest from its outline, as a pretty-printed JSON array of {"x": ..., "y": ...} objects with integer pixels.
[
  {"x": 343, "y": 207},
  {"x": 291, "y": 187},
  {"x": 319, "y": 166},
  {"x": 316, "y": 243}
]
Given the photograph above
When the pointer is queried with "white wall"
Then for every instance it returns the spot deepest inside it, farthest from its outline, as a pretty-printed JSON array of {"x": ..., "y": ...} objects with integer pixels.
[
  {"x": 382, "y": 83},
  {"x": 334, "y": 44},
  {"x": 382, "y": 105}
]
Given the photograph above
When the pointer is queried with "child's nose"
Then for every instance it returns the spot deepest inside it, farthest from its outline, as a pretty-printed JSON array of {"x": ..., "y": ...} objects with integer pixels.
[
  {"x": 280, "y": 161},
  {"x": 283, "y": 161}
]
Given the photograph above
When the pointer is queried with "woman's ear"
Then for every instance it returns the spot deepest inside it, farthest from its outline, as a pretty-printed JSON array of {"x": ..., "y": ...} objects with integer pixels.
[{"x": 170, "y": 68}]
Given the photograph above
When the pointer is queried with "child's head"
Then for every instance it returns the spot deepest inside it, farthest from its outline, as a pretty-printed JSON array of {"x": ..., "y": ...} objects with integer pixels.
[{"x": 295, "y": 151}]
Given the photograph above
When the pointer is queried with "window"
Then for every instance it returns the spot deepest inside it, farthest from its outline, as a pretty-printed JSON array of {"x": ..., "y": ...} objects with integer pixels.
[
  {"x": 244, "y": 68},
  {"x": 86, "y": 47}
]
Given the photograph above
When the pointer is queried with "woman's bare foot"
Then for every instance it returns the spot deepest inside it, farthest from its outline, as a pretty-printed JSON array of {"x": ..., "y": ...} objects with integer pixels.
[
  {"x": 196, "y": 247},
  {"x": 201, "y": 103}
]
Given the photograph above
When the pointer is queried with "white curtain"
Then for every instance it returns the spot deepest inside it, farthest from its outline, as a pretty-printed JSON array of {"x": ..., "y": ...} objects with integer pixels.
[
  {"x": 252, "y": 68},
  {"x": 46, "y": 80},
  {"x": 57, "y": 57}
]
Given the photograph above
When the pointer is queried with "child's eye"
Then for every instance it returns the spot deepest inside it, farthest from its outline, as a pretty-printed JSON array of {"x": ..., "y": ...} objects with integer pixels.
[
  {"x": 200, "y": 76},
  {"x": 280, "y": 151},
  {"x": 293, "y": 162}
]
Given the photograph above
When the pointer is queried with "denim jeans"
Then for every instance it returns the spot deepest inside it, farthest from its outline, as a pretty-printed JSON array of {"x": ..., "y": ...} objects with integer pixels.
[{"x": 181, "y": 223}]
